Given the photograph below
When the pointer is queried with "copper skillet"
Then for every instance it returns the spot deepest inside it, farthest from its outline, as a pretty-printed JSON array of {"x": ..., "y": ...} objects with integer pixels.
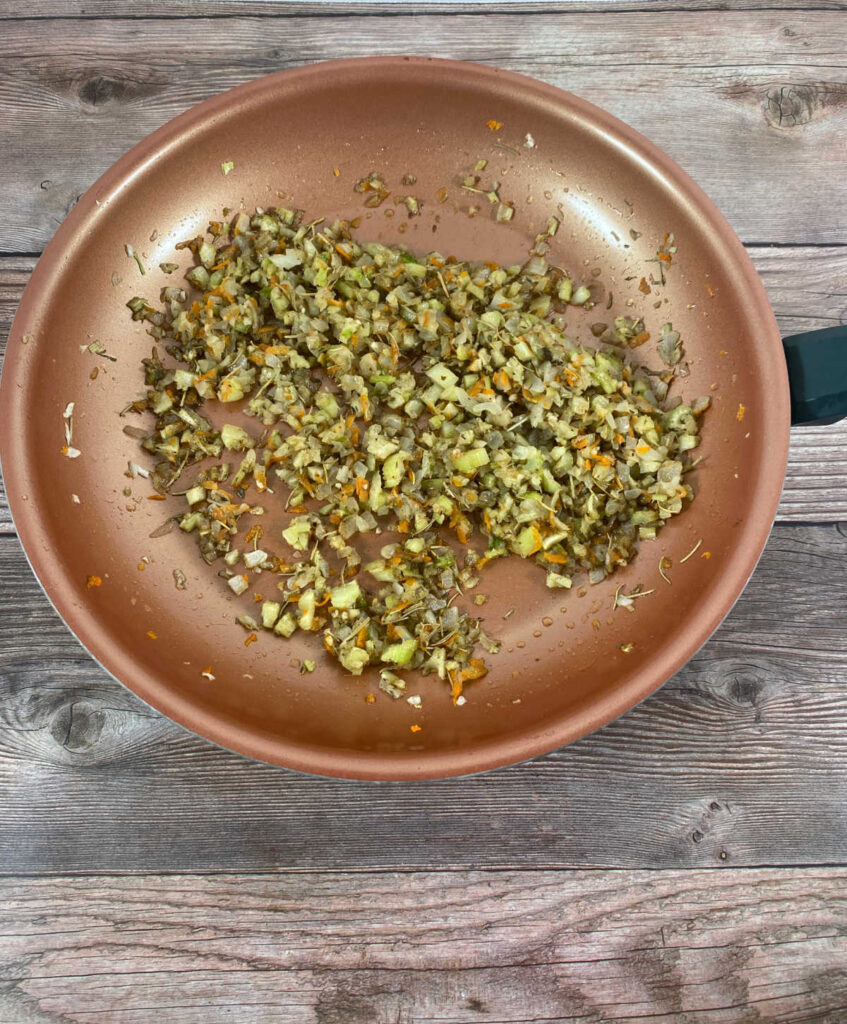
[{"x": 562, "y": 671}]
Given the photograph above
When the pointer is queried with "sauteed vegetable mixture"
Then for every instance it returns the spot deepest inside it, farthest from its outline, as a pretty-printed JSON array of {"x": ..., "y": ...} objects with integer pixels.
[{"x": 433, "y": 402}]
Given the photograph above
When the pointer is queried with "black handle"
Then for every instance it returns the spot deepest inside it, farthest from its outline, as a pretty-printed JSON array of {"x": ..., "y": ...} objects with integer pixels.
[{"x": 817, "y": 375}]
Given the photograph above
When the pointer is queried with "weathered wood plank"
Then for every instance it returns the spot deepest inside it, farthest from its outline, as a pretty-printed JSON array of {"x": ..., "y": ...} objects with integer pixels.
[
  {"x": 12, "y": 10},
  {"x": 727, "y": 93},
  {"x": 741, "y": 759},
  {"x": 808, "y": 289},
  {"x": 459, "y": 946}
]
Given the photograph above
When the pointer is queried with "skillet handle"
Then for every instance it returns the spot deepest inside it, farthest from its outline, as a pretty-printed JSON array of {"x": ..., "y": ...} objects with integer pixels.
[{"x": 817, "y": 375}]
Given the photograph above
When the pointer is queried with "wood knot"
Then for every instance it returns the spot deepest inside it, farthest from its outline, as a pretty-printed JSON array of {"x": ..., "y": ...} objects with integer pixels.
[
  {"x": 746, "y": 689},
  {"x": 77, "y": 726},
  {"x": 789, "y": 106},
  {"x": 100, "y": 90},
  {"x": 712, "y": 822}
]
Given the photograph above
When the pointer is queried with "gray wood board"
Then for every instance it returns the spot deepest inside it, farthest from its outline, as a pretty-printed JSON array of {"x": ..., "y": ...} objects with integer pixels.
[
  {"x": 740, "y": 759},
  {"x": 751, "y": 103},
  {"x": 165, "y": 9},
  {"x": 807, "y": 286},
  {"x": 472, "y": 947}
]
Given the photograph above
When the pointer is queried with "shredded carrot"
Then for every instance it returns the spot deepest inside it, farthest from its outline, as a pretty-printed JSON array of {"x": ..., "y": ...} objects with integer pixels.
[
  {"x": 362, "y": 487},
  {"x": 250, "y": 640},
  {"x": 536, "y": 538},
  {"x": 152, "y": 635},
  {"x": 93, "y": 581},
  {"x": 706, "y": 554},
  {"x": 493, "y": 125},
  {"x": 370, "y": 698},
  {"x": 740, "y": 414},
  {"x": 414, "y": 728}
]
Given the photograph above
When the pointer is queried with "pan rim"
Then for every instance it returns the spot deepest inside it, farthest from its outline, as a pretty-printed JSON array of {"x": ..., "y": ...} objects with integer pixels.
[{"x": 510, "y": 748}]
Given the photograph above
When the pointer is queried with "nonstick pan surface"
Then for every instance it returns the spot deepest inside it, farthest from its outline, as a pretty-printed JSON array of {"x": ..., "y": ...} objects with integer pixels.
[{"x": 569, "y": 663}]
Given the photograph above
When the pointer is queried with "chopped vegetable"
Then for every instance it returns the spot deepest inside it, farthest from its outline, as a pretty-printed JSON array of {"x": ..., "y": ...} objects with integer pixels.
[
  {"x": 416, "y": 396},
  {"x": 133, "y": 255}
]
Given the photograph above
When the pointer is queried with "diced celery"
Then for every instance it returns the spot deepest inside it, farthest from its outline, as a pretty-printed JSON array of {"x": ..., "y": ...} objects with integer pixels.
[
  {"x": 346, "y": 595},
  {"x": 401, "y": 653}
]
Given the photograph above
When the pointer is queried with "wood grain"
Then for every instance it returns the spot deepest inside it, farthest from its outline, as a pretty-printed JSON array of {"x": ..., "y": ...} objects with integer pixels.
[
  {"x": 130, "y": 9},
  {"x": 750, "y": 102},
  {"x": 724, "y": 947},
  {"x": 808, "y": 289},
  {"x": 741, "y": 759}
]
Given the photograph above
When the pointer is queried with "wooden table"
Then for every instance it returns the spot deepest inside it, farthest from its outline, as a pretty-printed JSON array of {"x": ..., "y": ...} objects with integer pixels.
[{"x": 682, "y": 864}]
